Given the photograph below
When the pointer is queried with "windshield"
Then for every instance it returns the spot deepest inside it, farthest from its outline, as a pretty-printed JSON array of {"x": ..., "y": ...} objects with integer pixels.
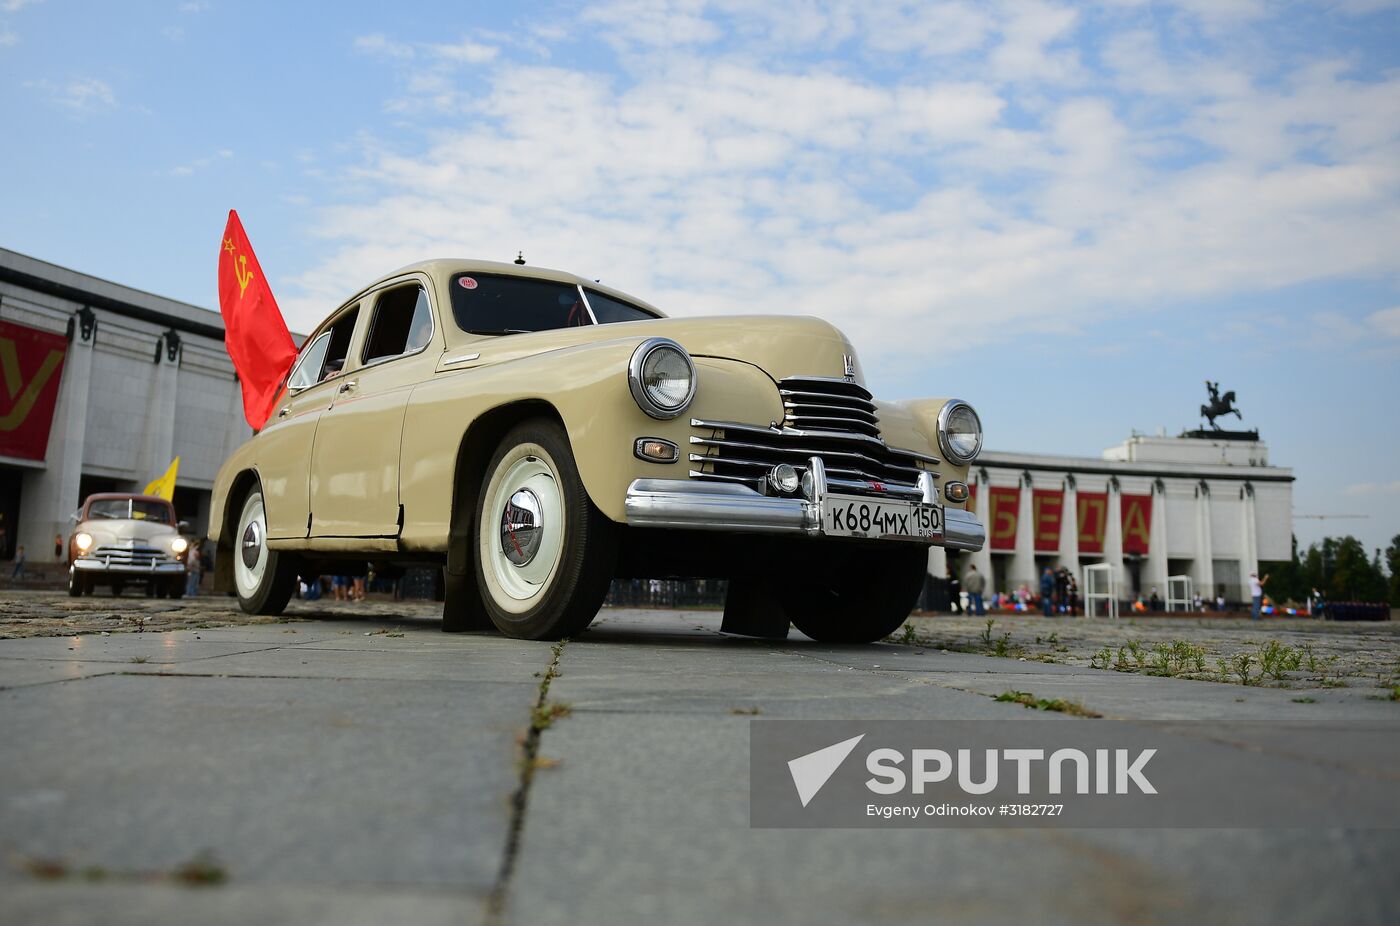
[
  {"x": 134, "y": 509},
  {"x": 488, "y": 303}
]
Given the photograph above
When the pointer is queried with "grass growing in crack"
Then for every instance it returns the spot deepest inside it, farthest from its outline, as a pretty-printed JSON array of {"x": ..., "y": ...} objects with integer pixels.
[
  {"x": 545, "y": 714},
  {"x": 204, "y": 870},
  {"x": 987, "y": 633},
  {"x": 1058, "y": 705},
  {"x": 1103, "y": 659},
  {"x": 542, "y": 716},
  {"x": 1305, "y": 700},
  {"x": 139, "y": 659},
  {"x": 746, "y": 711}
]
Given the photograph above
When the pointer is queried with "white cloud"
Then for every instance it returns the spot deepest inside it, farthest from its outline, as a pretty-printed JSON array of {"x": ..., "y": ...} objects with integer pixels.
[
  {"x": 14, "y": 6},
  {"x": 378, "y": 44},
  {"x": 199, "y": 164},
  {"x": 709, "y": 180},
  {"x": 83, "y": 96},
  {"x": 8, "y": 38},
  {"x": 1386, "y": 321},
  {"x": 1373, "y": 488}
]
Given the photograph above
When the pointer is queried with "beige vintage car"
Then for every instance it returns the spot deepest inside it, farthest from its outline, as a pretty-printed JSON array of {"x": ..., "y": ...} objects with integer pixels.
[
  {"x": 119, "y": 539},
  {"x": 537, "y": 435}
]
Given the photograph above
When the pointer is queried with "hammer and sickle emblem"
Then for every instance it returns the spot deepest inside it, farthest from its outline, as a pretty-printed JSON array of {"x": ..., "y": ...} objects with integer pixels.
[
  {"x": 240, "y": 267},
  {"x": 245, "y": 276}
]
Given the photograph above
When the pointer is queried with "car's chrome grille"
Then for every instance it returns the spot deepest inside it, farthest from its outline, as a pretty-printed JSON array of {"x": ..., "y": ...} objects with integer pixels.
[
  {"x": 131, "y": 556},
  {"x": 828, "y": 405},
  {"x": 831, "y": 419}
]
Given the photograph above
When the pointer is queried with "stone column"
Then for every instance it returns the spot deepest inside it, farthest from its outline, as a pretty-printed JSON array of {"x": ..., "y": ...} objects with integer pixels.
[
  {"x": 982, "y": 559},
  {"x": 1158, "y": 569},
  {"x": 1113, "y": 537},
  {"x": 1069, "y": 530},
  {"x": 51, "y": 494},
  {"x": 158, "y": 437},
  {"x": 1249, "y": 545},
  {"x": 1023, "y": 557},
  {"x": 1202, "y": 565}
]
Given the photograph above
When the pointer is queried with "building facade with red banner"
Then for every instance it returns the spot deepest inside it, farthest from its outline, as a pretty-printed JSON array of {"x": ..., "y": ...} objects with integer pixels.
[
  {"x": 101, "y": 386},
  {"x": 1151, "y": 508}
]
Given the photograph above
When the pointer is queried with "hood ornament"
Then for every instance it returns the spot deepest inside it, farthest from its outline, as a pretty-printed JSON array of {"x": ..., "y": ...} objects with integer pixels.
[{"x": 850, "y": 374}]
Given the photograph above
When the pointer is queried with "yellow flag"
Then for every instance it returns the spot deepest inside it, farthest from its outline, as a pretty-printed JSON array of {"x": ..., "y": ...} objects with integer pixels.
[{"x": 165, "y": 485}]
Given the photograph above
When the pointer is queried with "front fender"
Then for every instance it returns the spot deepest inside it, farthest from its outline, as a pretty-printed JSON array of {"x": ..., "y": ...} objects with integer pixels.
[{"x": 587, "y": 388}]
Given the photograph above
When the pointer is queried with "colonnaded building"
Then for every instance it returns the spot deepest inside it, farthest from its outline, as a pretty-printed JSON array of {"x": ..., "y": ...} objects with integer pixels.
[{"x": 105, "y": 385}]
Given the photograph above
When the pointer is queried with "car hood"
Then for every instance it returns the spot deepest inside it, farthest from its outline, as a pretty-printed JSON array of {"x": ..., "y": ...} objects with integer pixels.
[
  {"x": 780, "y": 345},
  {"x": 122, "y": 531}
]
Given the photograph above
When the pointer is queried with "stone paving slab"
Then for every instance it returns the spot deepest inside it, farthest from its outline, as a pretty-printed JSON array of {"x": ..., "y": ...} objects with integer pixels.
[
  {"x": 283, "y": 780},
  {"x": 134, "y": 904},
  {"x": 354, "y": 764}
]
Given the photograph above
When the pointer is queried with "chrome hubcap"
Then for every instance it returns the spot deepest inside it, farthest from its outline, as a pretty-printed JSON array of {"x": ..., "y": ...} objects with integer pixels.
[
  {"x": 522, "y": 527},
  {"x": 252, "y": 544}
]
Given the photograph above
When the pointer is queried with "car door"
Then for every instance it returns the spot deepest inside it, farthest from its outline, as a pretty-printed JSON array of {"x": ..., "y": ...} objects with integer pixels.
[
  {"x": 286, "y": 441},
  {"x": 355, "y": 463}
]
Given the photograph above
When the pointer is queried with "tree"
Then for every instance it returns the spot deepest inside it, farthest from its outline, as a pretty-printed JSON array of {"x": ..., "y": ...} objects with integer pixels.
[
  {"x": 1354, "y": 577},
  {"x": 1392, "y": 566}
]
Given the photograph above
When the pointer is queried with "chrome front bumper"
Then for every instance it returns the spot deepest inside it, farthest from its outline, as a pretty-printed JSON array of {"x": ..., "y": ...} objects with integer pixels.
[
  {"x": 128, "y": 570},
  {"x": 711, "y": 506}
]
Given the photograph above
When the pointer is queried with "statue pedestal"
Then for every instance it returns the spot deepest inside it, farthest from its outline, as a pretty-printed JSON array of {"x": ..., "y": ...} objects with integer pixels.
[{"x": 1212, "y": 434}]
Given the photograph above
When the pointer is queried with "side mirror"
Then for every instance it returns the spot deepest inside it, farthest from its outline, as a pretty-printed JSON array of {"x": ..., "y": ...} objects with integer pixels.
[{"x": 183, "y": 527}]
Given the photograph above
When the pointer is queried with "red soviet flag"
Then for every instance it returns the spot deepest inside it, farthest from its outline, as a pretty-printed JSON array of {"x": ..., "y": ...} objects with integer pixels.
[{"x": 255, "y": 335}]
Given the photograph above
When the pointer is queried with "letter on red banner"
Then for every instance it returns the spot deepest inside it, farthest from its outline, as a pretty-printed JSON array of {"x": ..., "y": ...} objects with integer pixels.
[
  {"x": 1137, "y": 523},
  {"x": 31, "y": 366},
  {"x": 1093, "y": 516},
  {"x": 1048, "y": 509},
  {"x": 1003, "y": 509}
]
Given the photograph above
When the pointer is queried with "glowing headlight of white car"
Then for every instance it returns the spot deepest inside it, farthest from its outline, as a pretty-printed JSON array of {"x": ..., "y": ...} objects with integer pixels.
[
  {"x": 661, "y": 377},
  {"x": 179, "y": 545},
  {"x": 959, "y": 432},
  {"x": 83, "y": 540}
]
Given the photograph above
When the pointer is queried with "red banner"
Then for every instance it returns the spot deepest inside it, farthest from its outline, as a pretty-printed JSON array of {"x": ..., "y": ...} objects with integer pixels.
[
  {"x": 1093, "y": 516},
  {"x": 1047, "y": 510},
  {"x": 31, "y": 362},
  {"x": 1137, "y": 523},
  {"x": 1002, "y": 510},
  {"x": 255, "y": 335}
]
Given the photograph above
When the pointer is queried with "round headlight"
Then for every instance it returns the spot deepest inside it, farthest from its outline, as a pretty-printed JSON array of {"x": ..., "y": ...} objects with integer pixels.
[
  {"x": 661, "y": 377},
  {"x": 179, "y": 545},
  {"x": 84, "y": 541},
  {"x": 959, "y": 432}
]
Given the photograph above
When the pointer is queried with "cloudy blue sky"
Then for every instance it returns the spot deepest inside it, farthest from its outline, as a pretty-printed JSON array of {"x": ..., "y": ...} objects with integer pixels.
[{"x": 1070, "y": 214}]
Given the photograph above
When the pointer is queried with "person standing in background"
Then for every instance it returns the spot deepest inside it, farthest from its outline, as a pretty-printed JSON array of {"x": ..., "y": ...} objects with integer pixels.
[
  {"x": 1256, "y": 594},
  {"x": 954, "y": 592},
  {"x": 976, "y": 584},
  {"x": 1047, "y": 591},
  {"x": 18, "y": 572},
  {"x": 58, "y": 547}
]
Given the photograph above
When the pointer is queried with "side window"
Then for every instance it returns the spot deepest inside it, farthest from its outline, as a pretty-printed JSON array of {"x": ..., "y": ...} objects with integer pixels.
[
  {"x": 402, "y": 323},
  {"x": 339, "y": 345},
  {"x": 308, "y": 369}
]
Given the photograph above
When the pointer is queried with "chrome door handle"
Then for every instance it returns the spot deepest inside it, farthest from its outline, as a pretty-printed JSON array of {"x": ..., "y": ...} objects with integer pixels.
[
  {"x": 348, "y": 386},
  {"x": 282, "y": 412}
]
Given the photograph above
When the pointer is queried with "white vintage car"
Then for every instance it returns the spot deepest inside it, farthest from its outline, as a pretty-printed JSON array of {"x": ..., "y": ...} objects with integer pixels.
[
  {"x": 122, "y": 540},
  {"x": 537, "y": 435}
]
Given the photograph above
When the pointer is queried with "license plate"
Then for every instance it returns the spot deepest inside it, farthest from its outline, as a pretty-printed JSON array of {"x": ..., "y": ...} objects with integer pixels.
[{"x": 846, "y": 516}]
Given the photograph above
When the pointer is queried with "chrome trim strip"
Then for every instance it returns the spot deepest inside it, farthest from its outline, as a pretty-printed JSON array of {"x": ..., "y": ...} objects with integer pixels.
[
  {"x": 816, "y": 435},
  {"x": 962, "y": 530},
  {"x": 726, "y": 506},
  {"x": 461, "y": 358}
]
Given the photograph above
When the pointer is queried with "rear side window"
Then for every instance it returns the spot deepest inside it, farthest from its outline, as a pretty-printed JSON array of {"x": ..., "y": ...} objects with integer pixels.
[
  {"x": 339, "y": 346},
  {"x": 402, "y": 323},
  {"x": 486, "y": 303},
  {"x": 608, "y": 310}
]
